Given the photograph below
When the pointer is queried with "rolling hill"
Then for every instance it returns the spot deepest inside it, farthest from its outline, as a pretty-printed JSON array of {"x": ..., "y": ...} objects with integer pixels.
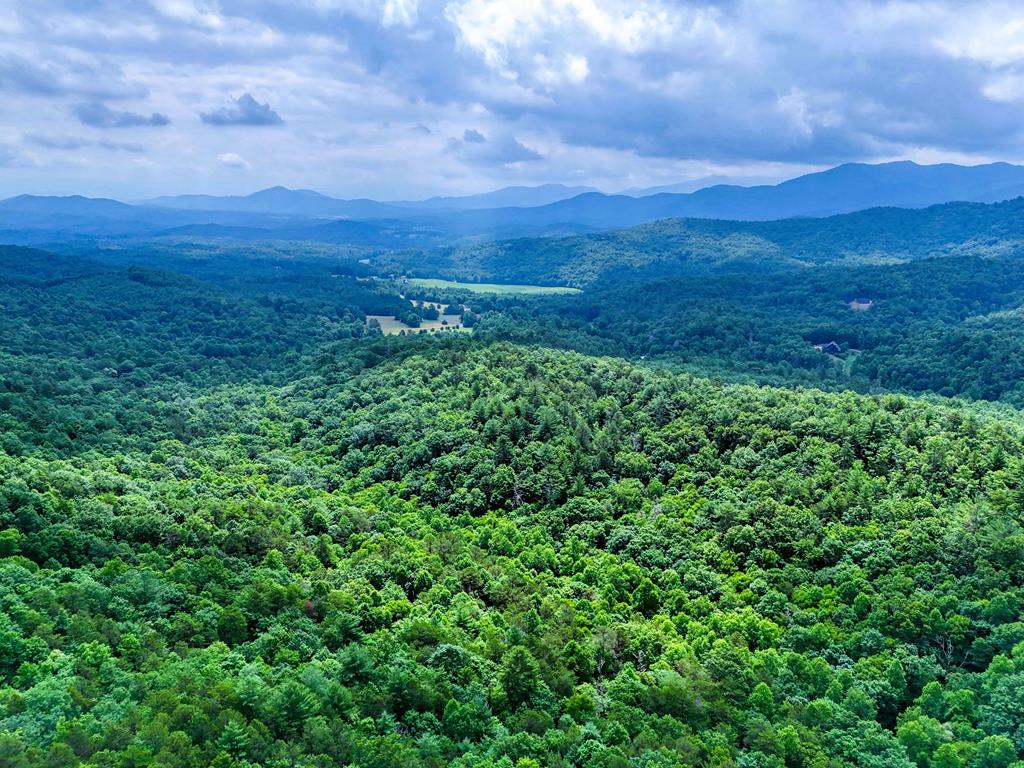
[
  {"x": 843, "y": 189},
  {"x": 278, "y": 201},
  {"x": 521, "y": 197},
  {"x": 694, "y": 246},
  {"x": 305, "y": 202},
  {"x": 526, "y": 211}
]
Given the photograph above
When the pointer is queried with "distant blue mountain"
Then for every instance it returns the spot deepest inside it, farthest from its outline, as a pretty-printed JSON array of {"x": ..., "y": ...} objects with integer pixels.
[
  {"x": 856, "y": 186},
  {"x": 692, "y": 185},
  {"x": 279, "y": 201},
  {"x": 72, "y": 205},
  {"x": 306, "y": 202},
  {"x": 517, "y": 197},
  {"x": 844, "y": 189}
]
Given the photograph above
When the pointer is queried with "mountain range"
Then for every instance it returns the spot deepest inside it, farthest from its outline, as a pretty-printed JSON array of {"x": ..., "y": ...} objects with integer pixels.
[
  {"x": 691, "y": 246},
  {"x": 843, "y": 189},
  {"x": 280, "y": 213},
  {"x": 306, "y": 202}
]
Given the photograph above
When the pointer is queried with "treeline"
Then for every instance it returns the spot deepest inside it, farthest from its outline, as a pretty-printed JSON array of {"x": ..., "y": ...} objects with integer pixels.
[
  {"x": 234, "y": 533},
  {"x": 90, "y": 352},
  {"x": 951, "y": 326},
  {"x": 707, "y": 246}
]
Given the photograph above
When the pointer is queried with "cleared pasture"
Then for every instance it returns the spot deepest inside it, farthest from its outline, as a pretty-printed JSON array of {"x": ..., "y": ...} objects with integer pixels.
[
  {"x": 392, "y": 326},
  {"x": 499, "y": 288}
]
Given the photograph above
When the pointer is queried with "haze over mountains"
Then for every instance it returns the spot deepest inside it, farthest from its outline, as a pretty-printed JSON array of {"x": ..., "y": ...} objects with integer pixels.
[
  {"x": 305, "y": 202},
  {"x": 705, "y": 246},
  {"x": 692, "y": 185},
  {"x": 280, "y": 213},
  {"x": 521, "y": 197},
  {"x": 844, "y": 189}
]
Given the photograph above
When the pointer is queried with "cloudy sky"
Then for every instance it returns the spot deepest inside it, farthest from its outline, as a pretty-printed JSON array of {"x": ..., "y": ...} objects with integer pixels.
[{"x": 405, "y": 98}]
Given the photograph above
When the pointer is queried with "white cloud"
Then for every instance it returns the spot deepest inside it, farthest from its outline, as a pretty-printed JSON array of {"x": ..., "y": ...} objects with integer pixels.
[
  {"x": 576, "y": 68},
  {"x": 1005, "y": 88},
  {"x": 387, "y": 12},
  {"x": 496, "y": 28},
  {"x": 231, "y": 160},
  {"x": 399, "y": 12},
  {"x": 190, "y": 12},
  {"x": 606, "y": 92},
  {"x": 994, "y": 36}
]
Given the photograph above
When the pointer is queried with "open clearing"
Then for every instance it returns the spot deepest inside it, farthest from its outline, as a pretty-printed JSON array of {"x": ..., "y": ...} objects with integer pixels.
[
  {"x": 392, "y": 326},
  {"x": 536, "y": 290}
]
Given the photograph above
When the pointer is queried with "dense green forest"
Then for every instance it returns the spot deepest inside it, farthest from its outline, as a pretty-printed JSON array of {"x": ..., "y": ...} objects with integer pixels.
[
  {"x": 747, "y": 301},
  {"x": 237, "y": 528},
  {"x": 703, "y": 246},
  {"x": 951, "y": 325}
]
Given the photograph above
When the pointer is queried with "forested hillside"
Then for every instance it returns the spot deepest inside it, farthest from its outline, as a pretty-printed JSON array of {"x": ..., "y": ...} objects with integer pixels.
[
  {"x": 700, "y": 246},
  {"x": 951, "y": 325},
  {"x": 235, "y": 532}
]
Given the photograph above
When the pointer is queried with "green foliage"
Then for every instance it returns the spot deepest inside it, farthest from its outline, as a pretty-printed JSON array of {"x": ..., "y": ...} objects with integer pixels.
[
  {"x": 693, "y": 247},
  {"x": 266, "y": 541},
  {"x": 952, "y": 326}
]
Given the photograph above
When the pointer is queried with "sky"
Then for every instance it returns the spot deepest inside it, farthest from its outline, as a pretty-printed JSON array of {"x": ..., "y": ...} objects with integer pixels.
[{"x": 400, "y": 99}]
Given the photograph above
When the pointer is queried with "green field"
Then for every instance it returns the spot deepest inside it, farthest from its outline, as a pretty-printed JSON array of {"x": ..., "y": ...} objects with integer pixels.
[
  {"x": 536, "y": 290},
  {"x": 392, "y": 326}
]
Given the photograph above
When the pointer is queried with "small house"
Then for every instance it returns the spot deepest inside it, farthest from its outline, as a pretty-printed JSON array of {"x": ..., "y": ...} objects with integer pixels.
[{"x": 831, "y": 348}]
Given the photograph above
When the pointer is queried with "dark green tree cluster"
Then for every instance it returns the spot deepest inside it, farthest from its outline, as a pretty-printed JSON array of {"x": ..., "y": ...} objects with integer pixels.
[
  {"x": 692, "y": 247},
  {"x": 94, "y": 354},
  {"x": 952, "y": 326},
  {"x": 235, "y": 533},
  {"x": 489, "y": 556}
]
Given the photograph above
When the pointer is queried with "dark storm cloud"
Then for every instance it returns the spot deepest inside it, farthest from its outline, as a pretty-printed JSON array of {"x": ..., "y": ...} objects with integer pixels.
[
  {"x": 807, "y": 106},
  {"x": 244, "y": 110},
  {"x": 98, "y": 115}
]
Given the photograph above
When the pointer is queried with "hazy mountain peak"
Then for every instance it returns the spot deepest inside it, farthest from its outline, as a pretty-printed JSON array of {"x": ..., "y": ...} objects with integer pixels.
[
  {"x": 506, "y": 197},
  {"x": 520, "y": 211}
]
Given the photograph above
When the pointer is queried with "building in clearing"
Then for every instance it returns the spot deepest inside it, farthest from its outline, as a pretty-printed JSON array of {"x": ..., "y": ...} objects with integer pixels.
[{"x": 831, "y": 348}]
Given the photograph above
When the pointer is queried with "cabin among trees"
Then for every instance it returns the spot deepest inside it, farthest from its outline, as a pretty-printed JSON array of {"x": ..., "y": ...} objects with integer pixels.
[{"x": 831, "y": 348}]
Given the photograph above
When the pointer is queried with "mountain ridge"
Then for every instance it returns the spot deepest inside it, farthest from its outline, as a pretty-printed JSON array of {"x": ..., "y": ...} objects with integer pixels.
[
  {"x": 843, "y": 189},
  {"x": 692, "y": 246},
  {"x": 840, "y": 190}
]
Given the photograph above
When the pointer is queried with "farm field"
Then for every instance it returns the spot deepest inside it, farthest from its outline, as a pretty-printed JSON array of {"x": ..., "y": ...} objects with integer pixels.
[
  {"x": 392, "y": 326},
  {"x": 499, "y": 288}
]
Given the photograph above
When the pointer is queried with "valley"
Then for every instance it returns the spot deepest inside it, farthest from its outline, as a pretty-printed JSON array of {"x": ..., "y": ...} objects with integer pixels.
[
  {"x": 501, "y": 289},
  {"x": 694, "y": 493},
  {"x": 504, "y": 384}
]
